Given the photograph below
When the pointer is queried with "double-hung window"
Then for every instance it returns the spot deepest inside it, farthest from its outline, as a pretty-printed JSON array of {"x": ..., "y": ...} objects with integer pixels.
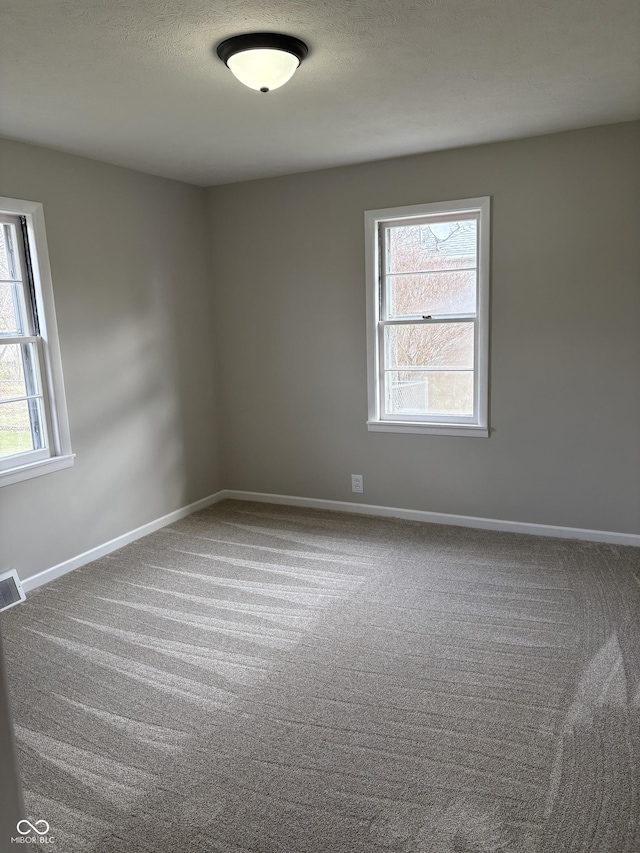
[
  {"x": 34, "y": 429},
  {"x": 428, "y": 318}
]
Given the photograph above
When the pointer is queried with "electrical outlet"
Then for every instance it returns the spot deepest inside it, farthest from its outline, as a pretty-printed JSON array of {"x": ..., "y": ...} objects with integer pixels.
[{"x": 357, "y": 483}]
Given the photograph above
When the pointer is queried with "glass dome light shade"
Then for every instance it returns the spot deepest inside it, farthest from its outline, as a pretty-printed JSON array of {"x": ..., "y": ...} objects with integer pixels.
[
  {"x": 262, "y": 61},
  {"x": 264, "y": 68}
]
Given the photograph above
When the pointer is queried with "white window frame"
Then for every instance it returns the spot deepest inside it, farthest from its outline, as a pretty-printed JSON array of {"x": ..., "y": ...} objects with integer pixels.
[
  {"x": 58, "y": 453},
  {"x": 476, "y": 425}
]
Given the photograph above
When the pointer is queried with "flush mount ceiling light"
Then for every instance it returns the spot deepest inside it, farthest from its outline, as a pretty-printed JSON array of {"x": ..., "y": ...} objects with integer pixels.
[{"x": 262, "y": 61}]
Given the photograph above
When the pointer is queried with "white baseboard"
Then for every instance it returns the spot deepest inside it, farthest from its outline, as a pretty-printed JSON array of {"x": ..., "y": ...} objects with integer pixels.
[
  {"x": 441, "y": 518},
  {"x": 119, "y": 542},
  {"x": 340, "y": 506}
]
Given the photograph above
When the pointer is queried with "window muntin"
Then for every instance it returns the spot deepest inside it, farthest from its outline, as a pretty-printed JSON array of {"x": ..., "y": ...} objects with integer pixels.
[
  {"x": 34, "y": 434},
  {"x": 428, "y": 317}
]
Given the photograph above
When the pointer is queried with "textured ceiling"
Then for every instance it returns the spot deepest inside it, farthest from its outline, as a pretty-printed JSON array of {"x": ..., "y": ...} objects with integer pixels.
[{"x": 135, "y": 82}]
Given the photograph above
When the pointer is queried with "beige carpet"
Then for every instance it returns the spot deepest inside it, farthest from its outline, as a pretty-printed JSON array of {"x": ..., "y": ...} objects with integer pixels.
[{"x": 261, "y": 679}]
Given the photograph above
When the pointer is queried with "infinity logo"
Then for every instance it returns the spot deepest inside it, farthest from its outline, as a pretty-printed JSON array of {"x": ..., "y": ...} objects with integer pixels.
[{"x": 32, "y": 827}]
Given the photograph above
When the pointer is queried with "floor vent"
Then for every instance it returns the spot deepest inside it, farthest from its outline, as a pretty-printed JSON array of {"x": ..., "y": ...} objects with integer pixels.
[{"x": 11, "y": 591}]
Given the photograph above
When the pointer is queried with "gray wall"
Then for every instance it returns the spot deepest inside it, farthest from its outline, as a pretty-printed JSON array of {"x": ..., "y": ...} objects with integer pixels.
[
  {"x": 146, "y": 320},
  {"x": 565, "y": 343},
  {"x": 132, "y": 282}
]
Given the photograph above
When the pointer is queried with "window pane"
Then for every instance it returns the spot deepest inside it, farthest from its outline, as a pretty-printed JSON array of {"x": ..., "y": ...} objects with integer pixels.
[
  {"x": 440, "y": 245},
  {"x": 432, "y": 293},
  {"x": 7, "y": 239},
  {"x": 20, "y": 427},
  {"x": 434, "y": 345},
  {"x": 10, "y": 321},
  {"x": 434, "y": 393},
  {"x": 18, "y": 371}
]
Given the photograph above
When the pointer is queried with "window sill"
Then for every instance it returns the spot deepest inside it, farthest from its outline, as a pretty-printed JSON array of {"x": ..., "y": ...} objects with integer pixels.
[
  {"x": 429, "y": 429},
  {"x": 35, "y": 469}
]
